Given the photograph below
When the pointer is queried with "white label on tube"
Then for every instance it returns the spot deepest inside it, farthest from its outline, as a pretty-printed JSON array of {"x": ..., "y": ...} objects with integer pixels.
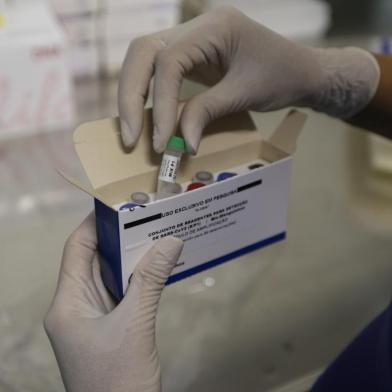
[{"x": 168, "y": 170}]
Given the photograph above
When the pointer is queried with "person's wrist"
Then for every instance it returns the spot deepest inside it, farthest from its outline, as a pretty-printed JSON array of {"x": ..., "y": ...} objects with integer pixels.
[{"x": 348, "y": 81}]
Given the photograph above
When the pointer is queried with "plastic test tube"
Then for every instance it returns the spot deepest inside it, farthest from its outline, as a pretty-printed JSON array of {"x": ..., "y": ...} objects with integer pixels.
[
  {"x": 167, "y": 185},
  {"x": 176, "y": 188}
]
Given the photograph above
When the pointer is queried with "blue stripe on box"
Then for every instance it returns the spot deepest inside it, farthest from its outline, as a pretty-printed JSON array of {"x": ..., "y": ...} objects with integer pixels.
[
  {"x": 223, "y": 259},
  {"x": 108, "y": 235}
]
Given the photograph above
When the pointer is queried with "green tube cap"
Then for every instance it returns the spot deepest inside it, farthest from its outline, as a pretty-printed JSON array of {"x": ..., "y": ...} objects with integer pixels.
[{"x": 176, "y": 143}]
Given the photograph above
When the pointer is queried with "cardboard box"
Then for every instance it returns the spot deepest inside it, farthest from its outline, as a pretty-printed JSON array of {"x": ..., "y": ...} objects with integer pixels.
[
  {"x": 124, "y": 21},
  {"x": 75, "y": 7},
  {"x": 108, "y": 30},
  {"x": 301, "y": 20},
  {"x": 138, "y": 18},
  {"x": 218, "y": 222},
  {"x": 35, "y": 82},
  {"x": 80, "y": 28}
]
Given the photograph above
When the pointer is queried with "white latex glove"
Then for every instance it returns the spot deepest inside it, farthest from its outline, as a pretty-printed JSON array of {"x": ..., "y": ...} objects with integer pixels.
[
  {"x": 100, "y": 347},
  {"x": 253, "y": 68}
]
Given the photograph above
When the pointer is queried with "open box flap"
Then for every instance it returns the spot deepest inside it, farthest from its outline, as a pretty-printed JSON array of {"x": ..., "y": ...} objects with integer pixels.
[
  {"x": 105, "y": 160},
  {"x": 285, "y": 137},
  {"x": 78, "y": 184}
]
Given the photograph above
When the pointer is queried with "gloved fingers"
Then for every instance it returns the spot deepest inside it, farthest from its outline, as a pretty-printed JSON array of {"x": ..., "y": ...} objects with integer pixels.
[
  {"x": 106, "y": 300},
  {"x": 148, "y": 280},
  {"x": 137, "y": 71},
  {"x": 203, "y": 108},
  {"x": 171, "y": 66},
  {"x": 206, "y": 74},
  {"x": 79, "y": 252}
]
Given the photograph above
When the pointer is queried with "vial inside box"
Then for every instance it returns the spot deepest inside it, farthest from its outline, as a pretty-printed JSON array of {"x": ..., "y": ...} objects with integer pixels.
[
  {"x": 229, "y": 143},
  {"x": 141, "y": 198}
]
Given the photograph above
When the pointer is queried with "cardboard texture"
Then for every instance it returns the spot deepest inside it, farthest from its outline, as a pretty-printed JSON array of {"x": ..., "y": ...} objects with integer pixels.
[{"x": 218, "y": 222}]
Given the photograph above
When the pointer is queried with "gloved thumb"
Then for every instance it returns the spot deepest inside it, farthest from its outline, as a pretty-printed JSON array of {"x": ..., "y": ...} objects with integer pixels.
[
  {"x": 202, "y": 109},
  {"x": 148, "y": 280}
]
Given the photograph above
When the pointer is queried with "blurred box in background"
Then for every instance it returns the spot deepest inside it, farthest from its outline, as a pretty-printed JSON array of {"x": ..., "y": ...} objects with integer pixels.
[
  {"x": 35, "y": 82},
  {"x": 80, "y": 29},
  {"x": 100, "y": 31},
  {"x": 125, "y": 20},
  {"x": 303, "y": 20},
  {"x": 45, "y": 44},
  {"x": 75, "y": 7}
]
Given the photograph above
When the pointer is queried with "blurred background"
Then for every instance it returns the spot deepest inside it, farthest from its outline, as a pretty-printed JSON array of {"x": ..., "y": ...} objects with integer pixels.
[{"x": 269, "y": 321}]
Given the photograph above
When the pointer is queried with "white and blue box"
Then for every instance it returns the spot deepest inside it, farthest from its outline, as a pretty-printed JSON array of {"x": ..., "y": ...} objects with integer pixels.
[{"x": 217, "y": 222}]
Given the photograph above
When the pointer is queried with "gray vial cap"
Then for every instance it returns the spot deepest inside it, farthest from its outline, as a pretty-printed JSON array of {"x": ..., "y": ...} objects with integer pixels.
[
  {"x": 140, "y": 197},
  {"x": 204, "y": 176}
]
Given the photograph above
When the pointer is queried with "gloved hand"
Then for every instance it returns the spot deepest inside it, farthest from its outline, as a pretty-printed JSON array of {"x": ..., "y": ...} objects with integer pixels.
[
  {"x": 100, "y": 347},
  {"x": 253, "y": 68}
]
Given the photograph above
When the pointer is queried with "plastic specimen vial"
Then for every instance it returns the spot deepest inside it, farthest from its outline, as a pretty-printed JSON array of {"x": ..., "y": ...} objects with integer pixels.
[{"x": 167, "y": 185}]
